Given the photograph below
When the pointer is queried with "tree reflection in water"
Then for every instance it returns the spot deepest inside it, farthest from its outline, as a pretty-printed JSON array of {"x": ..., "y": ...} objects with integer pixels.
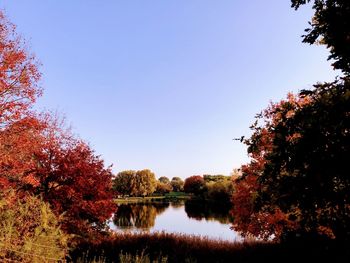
[
  {"x": 142, "y": 216},
  {"x": 209, "y": 211},
  {"x": 138, "y": 215},
  {"x": 177, "y": 204}
]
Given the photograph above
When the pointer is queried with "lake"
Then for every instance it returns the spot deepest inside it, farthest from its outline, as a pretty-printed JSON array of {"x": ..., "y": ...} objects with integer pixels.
[{"x": 187, "y": 217}]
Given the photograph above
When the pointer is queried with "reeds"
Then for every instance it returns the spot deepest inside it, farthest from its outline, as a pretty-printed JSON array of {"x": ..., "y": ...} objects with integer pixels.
[{"x": 187, "y": 248}]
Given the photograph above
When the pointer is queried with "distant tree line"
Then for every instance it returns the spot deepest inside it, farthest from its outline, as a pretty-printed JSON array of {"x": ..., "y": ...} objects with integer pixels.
[{"x": 144, "y": 183}]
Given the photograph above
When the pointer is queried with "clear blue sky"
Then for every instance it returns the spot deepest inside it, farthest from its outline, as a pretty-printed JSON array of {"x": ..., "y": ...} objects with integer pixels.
[{"x": 166, "y": 85}]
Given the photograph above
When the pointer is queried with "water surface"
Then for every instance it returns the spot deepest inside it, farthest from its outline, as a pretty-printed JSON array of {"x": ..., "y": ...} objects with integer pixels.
[{"x": 190, "y": 217}]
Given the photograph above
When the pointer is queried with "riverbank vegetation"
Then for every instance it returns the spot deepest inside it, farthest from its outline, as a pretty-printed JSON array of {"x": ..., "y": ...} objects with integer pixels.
[
  {"x": 174, "y": 248},
  {"x": 172, "y": 196}
]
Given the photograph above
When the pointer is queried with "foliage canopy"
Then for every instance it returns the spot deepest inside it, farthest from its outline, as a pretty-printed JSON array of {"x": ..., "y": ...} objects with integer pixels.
[{"x": 330, "y": 26}]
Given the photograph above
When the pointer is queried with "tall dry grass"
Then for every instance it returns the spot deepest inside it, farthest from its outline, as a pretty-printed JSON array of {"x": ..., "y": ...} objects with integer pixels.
[{"x": 184, "y": 248}]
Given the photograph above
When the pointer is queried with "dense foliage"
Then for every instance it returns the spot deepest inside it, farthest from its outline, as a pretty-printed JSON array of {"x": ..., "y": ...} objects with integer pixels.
[
  {"x": 164, "y": 180},
  {"x": 19, "y": 75},
  {"x": 163, "y": 185},
  {"x": 195, "y": 185},
  {"x": 330, "y": 26},
  {"x": 38, "y": 155},
  {"x": 212, "y": 188},
  {"x": 29, "y": 230},
  {"x": 135, "y": 183},
  {"x": 220, "y": 191},
  {"x": 177, "y": 184},
  {"x": 297, "y": 183}
]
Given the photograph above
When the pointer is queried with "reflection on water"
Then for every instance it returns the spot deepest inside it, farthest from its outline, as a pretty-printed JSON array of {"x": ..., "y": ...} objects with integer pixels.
[
  {"x": 190, "y": 217},
  {"x": 139, "y": 215},
  {"x": 177, "y": 204},
  {"x": 208, "y": 211}
]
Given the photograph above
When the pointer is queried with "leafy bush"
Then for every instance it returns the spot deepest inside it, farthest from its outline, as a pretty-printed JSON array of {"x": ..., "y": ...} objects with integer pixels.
[{"x": 29, "y": 230}]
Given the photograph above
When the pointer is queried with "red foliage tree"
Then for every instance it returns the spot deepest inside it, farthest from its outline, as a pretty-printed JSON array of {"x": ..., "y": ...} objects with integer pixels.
[
  {"x": 194, "y": 184},
  {"x": 18, "y": 142},
  {"x": 19, "y": 89},
  {"x": 19, "y": 75},
  {"x": 76, "y": 182},
  {"x": 250, "y": 218},
  {"x": 39, "y": 156}
]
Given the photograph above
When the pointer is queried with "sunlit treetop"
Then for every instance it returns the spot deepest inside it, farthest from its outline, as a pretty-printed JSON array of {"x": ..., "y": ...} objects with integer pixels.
[{"x": 19, "y": 75}]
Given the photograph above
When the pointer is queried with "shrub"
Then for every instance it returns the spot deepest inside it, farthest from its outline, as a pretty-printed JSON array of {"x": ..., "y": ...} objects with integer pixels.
[{"x": 29, "y": 230}]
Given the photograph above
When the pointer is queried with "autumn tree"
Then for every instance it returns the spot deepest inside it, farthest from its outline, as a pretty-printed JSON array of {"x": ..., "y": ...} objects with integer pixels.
[
  {"x": 297, "y": 181},
  {"x": 163, "y": 185},
  {"x": 19, "y": 75},
  {"x": 194, "y": 184},
  {"x": 177, "y": 184},
  {"x": 164, "y": 180},
  {"x": 123, "y": 182},
  {"x": 19, "y": 88},
  {"x": 163, "y": 188},
  {"x": 249, "y": 218},
  {"x": 135, "y": 183},
  {"x": 39, "y": 156},
  {"x": 145, "y": 183},
  {"x": 81, "y": 187},
  {"x": 18, "y": 142}
]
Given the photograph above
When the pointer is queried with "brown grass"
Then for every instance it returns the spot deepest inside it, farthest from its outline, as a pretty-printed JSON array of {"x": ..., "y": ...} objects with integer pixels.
[{"x": 184, "y": 248}]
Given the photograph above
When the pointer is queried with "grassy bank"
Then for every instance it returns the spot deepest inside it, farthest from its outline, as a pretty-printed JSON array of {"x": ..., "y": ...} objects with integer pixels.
[
  {"x": 166, "y": 247},
  {"x": 172, "y": 196}
]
